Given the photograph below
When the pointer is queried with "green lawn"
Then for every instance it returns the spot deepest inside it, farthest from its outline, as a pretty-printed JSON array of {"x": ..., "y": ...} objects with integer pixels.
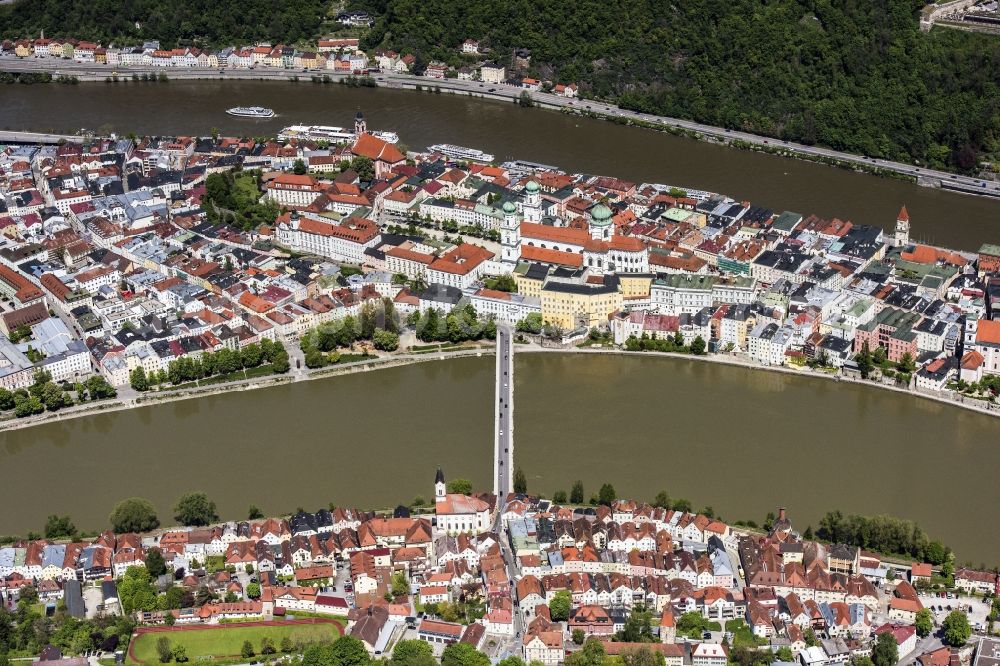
[{"x": 227, "y": 643}]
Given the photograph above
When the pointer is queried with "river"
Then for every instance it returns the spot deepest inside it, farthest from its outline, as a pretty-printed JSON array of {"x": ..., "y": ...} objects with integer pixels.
[
  {"x": 573, "y": 143},
  {"x": 743, "y": 441}
]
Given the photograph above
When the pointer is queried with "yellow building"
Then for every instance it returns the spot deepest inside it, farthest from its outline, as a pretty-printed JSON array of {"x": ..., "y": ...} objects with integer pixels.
[
  {"x": 635, "y": 285},
  {"x": 530, "y": 278},
  {"x": 574, "y": 304},
  {"x": 22, "y": 49}
]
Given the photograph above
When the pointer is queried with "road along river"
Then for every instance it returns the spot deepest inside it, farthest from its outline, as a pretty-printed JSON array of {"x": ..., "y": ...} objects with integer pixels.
[{"x": 743, "y": 441}]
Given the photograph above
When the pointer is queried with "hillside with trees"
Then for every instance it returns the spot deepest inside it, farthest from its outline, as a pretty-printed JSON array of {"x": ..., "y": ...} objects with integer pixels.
[
  {"x": 855, "y": 76},
  {"x": 173, "y": 22}
]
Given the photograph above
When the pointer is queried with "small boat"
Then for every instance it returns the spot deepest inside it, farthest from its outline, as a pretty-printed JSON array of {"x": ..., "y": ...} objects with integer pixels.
[
  {"x": 461, "y": 152},
  {"x": 251, "y": 112}
]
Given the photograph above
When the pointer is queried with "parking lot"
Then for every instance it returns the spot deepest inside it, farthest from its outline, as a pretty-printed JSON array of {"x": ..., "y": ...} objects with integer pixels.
[{"x": 975, "y": 608}]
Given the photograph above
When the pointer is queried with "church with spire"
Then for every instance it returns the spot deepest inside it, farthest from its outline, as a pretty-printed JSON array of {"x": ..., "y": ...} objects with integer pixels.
[{"x": 459, "y": 514}]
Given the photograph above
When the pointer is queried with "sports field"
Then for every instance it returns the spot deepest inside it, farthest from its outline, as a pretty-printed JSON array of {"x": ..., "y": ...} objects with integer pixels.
[{"x": 224, "y": 642}]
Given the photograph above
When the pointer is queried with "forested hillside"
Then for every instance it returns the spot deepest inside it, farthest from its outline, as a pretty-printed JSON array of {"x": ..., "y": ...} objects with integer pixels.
[
  {"x": 856, "y": 75},
  {"x": 208, "y": 22}
]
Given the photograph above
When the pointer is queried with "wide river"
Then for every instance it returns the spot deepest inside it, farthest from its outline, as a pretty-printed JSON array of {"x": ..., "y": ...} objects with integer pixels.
[
  {"x": 744, "y": 441},
  {"x": 573, "y": 143}
]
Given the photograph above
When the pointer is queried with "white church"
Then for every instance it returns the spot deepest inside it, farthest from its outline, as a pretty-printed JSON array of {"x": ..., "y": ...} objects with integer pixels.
[{"x": 457, "y": 514}]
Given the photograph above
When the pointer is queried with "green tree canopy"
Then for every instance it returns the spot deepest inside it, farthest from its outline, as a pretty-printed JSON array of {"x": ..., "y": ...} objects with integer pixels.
[
  {"x": 412, "y": 653},
  {"x": 195, "y": 509},
  {"x": 463, "y": 654},
  {"x": 460, "y": 486},
  {"x": 886, "y": 650},
  {"x": 955, "y": 629},
  {"x": 134, "y": 515}
]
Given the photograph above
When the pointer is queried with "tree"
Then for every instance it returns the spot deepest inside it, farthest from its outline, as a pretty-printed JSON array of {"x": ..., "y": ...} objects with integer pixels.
[
  {"x": 576, "y": 494},
  {"x": 385, "y": 340},
  {"x": 512, "y": 661},
  {"x": 286, "y": 644},
  {"x": 299, "y": 168},
  {"x": 135, "y": 590},
  {"x": 134, "y": 515},
  {"x": 955, "y": 629},
  {"x": 253, "y": 590},
  {"x": 247, "y": 650},
  {"x": 463, "y": 654},
  {"x": 560, "y": 605},
  {"x": 520, "y": 482},
  {"x": 154, "y": 563},
  {"x": 460, "y": 486},
  {"x": 267, "y": 645},
  {"x": 195, "y": 509},
  {"x": 412, "y": 653},
  {"x": 924, "y": 623},
  {"x": 138, "y": 380},
  {"x": 592, "y": 654},
  {"x": 349, "y": 651},
  {"x": 607, "y": 495},
  {"x": 698, "y": 346},
  {"x": 641, "y": 656},
  {"x": 638, "y": 627},
  {"x": 578, "y": 636},
  {"x": 400, "y": 584},
  {"x": 865, "y": 361},
  {"x": 180, "y": 653},
  {"x": 886, "y": 650},
  {"x": 163, "y": 650},
  {"x": 254, "y": 513},
  {"x": 906, "y": 363},
  {"x": 6, "y": 399},
  {"x": 559, "y": 497},
  {"x": 364, "y": 167},
  {"x": 59, "y": 527},
  {"x": 784, "y": 653}
]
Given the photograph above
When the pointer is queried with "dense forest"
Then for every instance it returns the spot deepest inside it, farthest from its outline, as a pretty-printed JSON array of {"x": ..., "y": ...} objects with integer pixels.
[
  {"x": 855, "y": 75},
  {"x": 173, "y": 22}
]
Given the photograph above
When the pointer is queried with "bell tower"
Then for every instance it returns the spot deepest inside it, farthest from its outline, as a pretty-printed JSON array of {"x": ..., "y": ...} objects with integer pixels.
[
  {"x": 902, "y": 236},
  {"x": 440, "y": 489},
  {"x": 360, "y": 126},
  {"x": 510, "y": 237}
]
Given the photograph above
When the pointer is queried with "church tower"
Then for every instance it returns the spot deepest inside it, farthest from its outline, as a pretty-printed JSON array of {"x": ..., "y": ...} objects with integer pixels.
[
  {"x": 360, "y": 127},
  {"x": 440, "y": 489},
  {"x": 532, "y": 202},
  {"x": 600, "y": 222},
  {"x": 510, "y": 237},
  {"x": 902, "y": 237}
]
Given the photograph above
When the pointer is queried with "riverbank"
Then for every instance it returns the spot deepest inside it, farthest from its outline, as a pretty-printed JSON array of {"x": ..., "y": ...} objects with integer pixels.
[
  {"x": 154, "y": 398},
  {"x": 93, "y": 72}
]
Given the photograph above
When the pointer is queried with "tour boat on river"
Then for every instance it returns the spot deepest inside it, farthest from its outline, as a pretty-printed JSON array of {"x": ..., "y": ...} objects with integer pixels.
[{"x": 251, "y": 112}]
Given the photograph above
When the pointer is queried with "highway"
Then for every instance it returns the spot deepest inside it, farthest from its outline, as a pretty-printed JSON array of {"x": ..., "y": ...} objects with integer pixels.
[
  {"x": 503, "y": 447},
  {"x": 924, "y": 176}
]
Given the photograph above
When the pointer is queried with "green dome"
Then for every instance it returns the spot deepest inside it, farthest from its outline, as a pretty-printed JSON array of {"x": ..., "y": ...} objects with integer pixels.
[
  {"x": 509, "y": 207},
  {"x": 600, "y": 214},
  {"x": 532, "y": 186}
]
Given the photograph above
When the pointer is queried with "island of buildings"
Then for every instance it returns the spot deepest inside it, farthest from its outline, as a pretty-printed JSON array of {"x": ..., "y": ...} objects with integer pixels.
[{"x": 110, "y": 261}]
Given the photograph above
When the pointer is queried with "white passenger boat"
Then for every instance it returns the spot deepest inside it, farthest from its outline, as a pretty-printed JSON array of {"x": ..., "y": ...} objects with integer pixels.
[
  {"x": 251, "y": 112},
  {"x": 460, "y": 152}
]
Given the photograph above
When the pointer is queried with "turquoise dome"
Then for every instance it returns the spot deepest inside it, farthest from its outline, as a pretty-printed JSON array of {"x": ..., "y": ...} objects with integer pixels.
[
  {"x": 509, "y": 207},
  {"x": 532, "y": 186},
  {"x": 600, "y": 214}
]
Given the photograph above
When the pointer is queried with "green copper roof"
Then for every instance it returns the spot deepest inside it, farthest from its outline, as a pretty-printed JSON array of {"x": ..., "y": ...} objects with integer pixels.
[
  {"x": 532, "y": 186},
  {"x": 509, "y": 207},
  {"x": 600, "y": 213}
]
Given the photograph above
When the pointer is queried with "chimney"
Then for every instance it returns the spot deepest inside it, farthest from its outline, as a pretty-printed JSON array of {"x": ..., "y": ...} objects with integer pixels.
[{"x": 781, "y": 513}]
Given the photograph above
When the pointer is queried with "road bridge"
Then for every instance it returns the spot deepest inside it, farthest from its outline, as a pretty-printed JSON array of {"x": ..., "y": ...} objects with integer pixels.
[{"x": 503, "y": 446}]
